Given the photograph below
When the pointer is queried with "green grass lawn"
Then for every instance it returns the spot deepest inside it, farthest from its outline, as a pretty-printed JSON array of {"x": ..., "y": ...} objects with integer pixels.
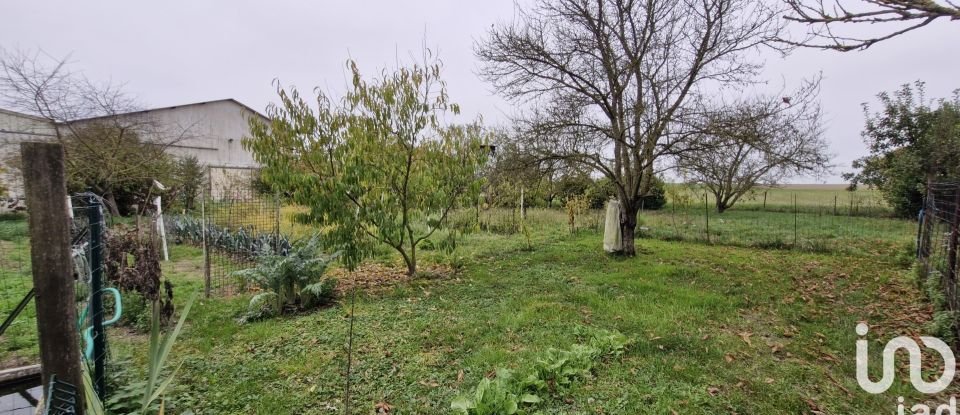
[
  {"x": 19, "y": 344},
  {"x": 750, "y": 228},
  {"x": 772, "y": 229},
  {"x": 716, "y": 330}
]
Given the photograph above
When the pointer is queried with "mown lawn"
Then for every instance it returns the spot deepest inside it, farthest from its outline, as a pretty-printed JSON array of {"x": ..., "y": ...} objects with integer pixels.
[{"x": 716, "y": 330}]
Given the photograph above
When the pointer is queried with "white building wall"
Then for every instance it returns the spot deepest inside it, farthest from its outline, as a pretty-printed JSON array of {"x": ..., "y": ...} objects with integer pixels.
[
  {"x": 211, "y": 131},
  {"x": 17, "y": 128}
]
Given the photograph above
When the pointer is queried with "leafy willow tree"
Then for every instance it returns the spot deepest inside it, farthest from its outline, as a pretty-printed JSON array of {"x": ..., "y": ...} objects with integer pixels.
[
  {"x": 377, "y": 166},
  {"x": 612, "y": 84},
  {"x": 757, "y": 141},
  {"x": 912, "y": 141}
]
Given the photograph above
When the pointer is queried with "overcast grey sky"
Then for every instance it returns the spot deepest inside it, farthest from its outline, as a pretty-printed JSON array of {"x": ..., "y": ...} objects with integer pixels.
[{"x": 177, "y": 52}]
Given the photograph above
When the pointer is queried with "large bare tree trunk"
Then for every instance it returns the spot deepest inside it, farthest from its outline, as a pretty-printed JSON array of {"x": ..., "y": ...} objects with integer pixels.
[
  {"x": 111, "y": 202},
  {"x": 628, "y": 226},
  {"x": 722, "y": 204}
]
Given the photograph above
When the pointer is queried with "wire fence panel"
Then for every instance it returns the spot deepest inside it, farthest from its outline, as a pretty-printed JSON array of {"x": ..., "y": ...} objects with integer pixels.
[
  {"x": 939, "y": 242},
  {"x": 803, "y": 221},
  {"x": 236, "y": 223},
  {"x": 19, "y": 329},
  {"x": 809, "y": 228},
  {"x": 88, "y": 228}
]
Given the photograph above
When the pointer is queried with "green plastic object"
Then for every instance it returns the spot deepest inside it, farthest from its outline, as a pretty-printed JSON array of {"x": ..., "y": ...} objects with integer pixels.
[
  {"x": 88, "y": 332},
  {"x": 61, "y": 398}
]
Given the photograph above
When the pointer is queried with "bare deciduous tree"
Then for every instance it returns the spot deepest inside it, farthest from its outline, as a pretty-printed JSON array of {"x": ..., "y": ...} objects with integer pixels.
[
  {"x": 897, "y": 16},
  {"x": 610, "y": 82},
  {"x": 109, "y": 145},
  {"x": 757, "y": 141}
]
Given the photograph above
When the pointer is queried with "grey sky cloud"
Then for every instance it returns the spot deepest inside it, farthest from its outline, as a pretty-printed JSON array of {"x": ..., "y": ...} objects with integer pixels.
[{"x": 176, "y": 52}]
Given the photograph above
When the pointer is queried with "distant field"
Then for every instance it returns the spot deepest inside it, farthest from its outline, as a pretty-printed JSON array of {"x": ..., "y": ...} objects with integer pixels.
[
  {"x": 810, "y": 198},
  {"x": 804, "y": 230}
]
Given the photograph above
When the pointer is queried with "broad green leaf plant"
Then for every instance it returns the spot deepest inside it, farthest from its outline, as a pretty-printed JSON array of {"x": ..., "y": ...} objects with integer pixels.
[
  {"x": 295, "y": 279},
  {"x": 379, "y": 165}
]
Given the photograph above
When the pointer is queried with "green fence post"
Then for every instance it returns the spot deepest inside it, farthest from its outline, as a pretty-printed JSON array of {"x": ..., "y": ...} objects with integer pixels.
[
  {"x": 706, "y": 210},
  {"x": 796, "y": 217},
  {"x": 95, "y": 217}
]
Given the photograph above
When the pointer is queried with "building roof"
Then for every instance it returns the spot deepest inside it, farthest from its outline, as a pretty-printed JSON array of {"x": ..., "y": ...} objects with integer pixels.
[
  {"x": 20, "y": 114},
  {"x": 242, "y": 105}
]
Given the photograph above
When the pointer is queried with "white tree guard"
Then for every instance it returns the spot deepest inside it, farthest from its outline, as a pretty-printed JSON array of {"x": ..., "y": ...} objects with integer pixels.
[{"x": 611, "y": 229}]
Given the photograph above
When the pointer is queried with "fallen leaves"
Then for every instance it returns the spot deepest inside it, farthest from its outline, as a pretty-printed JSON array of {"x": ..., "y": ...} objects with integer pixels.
[
  {"x": 371, "y": 277},
  {"x": 382, "y": 408}
]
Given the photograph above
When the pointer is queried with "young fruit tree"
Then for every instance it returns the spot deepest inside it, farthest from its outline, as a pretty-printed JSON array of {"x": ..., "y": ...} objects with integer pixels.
[
  {"x": 756, "y": 141},
  {"x": 377, "y": 166},
  {"x": 611, "y": 84}
]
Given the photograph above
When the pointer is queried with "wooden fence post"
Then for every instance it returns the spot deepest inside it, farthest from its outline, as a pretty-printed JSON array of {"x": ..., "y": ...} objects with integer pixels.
[{"x": 46, "y": 193}]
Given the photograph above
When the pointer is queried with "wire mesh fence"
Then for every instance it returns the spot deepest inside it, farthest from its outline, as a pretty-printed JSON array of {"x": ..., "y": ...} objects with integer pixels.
[
  {"x": 88, "y": 246},
  {"x": 239, "y": 228},
  {"x": 823, "y": 199},
  {"x": 20, "y": 335},
  {"x": 236, "y": 223},
  {"x": 801, "y": 225},
  {"x": 794, "y": 222},
  {"x": 18, "y": 330},
  {"x": 939, "y": 243}
]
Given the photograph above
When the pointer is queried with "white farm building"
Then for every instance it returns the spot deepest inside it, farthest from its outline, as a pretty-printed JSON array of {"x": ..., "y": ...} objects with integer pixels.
[{"x": 210, "y": 131}]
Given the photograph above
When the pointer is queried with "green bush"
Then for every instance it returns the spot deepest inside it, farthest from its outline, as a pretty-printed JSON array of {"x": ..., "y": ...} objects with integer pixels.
[
  {"x": 137, "y": 312},
  {"x": 657, "y": 197},
  {"x": 941, "y": 326},
  {"x": 11, "y": 230},
  {"x": 602, "y": 190}
]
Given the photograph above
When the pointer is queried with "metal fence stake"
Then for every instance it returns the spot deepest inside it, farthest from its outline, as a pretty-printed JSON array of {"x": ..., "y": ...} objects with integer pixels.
[
  {"x": 796, "y": 217},
  {"x": 95, "y": 216},
  {"x": 206, "y": 248},
  {"x": 706, "y": 210}
]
